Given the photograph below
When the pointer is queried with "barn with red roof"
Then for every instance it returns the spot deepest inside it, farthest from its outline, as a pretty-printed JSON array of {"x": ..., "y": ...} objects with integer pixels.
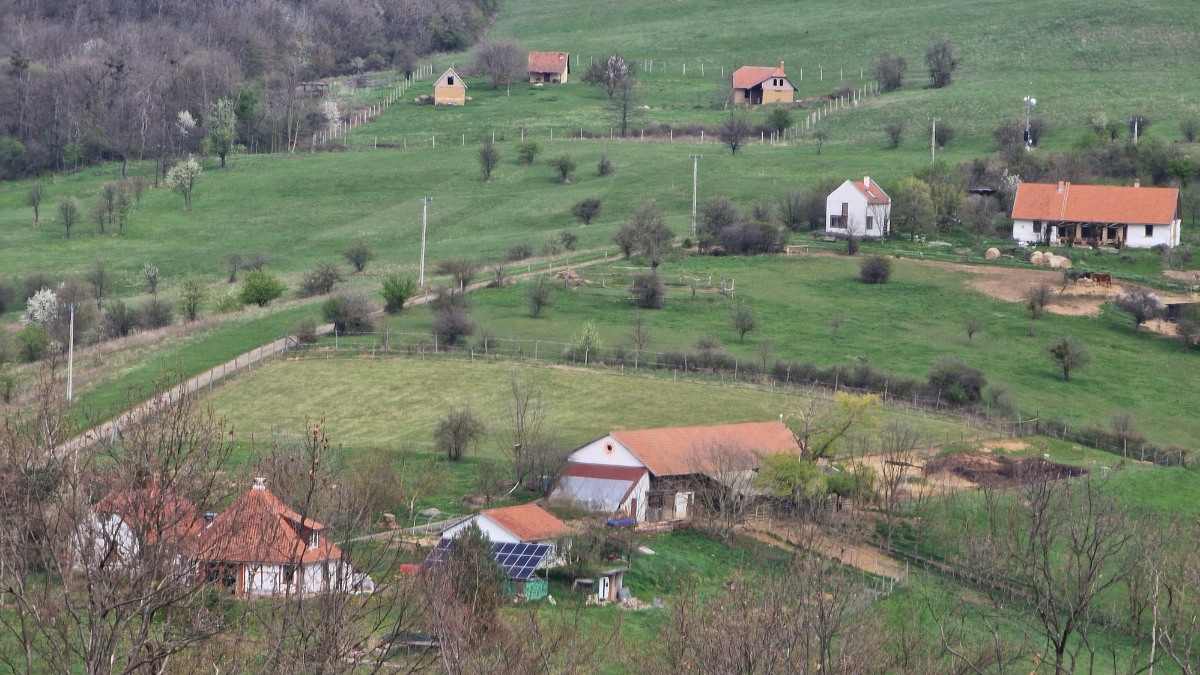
[
  {"x": 756, "y": 85},
  {"x": 649, "y": 474},
  {"x": 549, "y": 67},
  {"x": 1096, "y": 215}
]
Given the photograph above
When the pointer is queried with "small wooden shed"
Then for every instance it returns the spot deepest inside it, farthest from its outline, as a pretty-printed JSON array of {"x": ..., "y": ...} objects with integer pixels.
[{"x": 449, "y": 89}]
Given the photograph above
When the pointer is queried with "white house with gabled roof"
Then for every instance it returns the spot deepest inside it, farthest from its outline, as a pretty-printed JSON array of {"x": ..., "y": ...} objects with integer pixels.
[{"x": 860, "y": 209}]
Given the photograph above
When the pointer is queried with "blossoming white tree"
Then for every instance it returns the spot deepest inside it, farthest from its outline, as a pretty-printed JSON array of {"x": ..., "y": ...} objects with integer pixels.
[
  {"x": 182, "y": 178},
  {"x": 42, "y": 308}
]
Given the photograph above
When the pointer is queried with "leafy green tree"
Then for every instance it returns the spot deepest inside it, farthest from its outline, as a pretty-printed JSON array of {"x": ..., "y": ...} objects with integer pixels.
[
  {"x": 193, "y": 292},
  {"x": 586, "y": 210},
  {"x": 33, "y": 341},
  {"x": 792, "y": 477},
  {"x": 528, "y": 151},
  {"x": 222, "y": 129},
  {"x": 780, "y": 118},
  {"x": 397, "y": 289},
  {"x": 260, "y": 287},
  {"x": 1070, "y": 354},
  {"x": 1183, "y": 168},
  {"x": 565, "y": 166}
]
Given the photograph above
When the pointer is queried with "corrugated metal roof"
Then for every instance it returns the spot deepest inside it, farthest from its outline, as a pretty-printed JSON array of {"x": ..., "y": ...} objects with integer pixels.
[
  {"x": 685, "y": 450},
  {"x": 596, "y": 487},
  {"x": 528, "y": 522},
  {"x": 1096, "y": 203},
  {"x": 548, "y": 62}
]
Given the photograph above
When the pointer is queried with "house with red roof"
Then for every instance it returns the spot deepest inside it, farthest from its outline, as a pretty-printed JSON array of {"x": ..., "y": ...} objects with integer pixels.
[
  {"x": 143, "y": 522},
  {"x": 859, "y": 209},
  {"x": 260, "y": 547},
  {"x": 756, "y": 85},
  {"x": 649, "y": 474},
  {"x": 1096, "y": 215},
  {"x": 524, "y": 524},
  {"x": 549, "y": 67}
]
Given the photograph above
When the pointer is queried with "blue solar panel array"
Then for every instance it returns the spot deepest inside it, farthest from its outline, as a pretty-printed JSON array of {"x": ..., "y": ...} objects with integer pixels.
[{"x": 519, "y": 560}]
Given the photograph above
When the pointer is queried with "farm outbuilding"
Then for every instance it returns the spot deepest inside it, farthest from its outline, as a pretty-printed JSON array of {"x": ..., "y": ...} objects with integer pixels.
[
  {"x": 1099, "y": 215},
  {"x": 647, "y": 475},
  {"x": 858, "y": 209},
  {"x": 524, "y": 524},
  {"x": 549, "y": 67},
  {"x": 756, "y": 85},
  {"x": 449, "y": 89}
]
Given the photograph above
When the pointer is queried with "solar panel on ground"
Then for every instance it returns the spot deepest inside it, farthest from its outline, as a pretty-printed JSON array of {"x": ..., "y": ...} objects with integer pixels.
[{"x": 518, "y": 559}]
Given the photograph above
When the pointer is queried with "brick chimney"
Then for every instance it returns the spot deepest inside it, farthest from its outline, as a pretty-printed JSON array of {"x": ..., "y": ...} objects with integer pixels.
[
  {"x": 1060, "y": 186},
  {"x": 781, "y": 66},
  {"x": 1137, "y": 182}
]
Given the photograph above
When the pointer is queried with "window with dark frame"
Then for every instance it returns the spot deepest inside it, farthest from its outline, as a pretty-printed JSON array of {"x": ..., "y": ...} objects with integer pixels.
[
  {"x": 1037, "y": 227},
  {"x": 870, "y": 222},
  {"x": 1149, "y": 230}
]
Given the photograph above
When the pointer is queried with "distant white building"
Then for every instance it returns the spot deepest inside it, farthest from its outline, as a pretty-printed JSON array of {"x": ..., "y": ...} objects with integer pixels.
[
  {"x": 858, "y": 209},
  {"x": 524, "y": 524},
  {"x": 1101, "y": 215}
]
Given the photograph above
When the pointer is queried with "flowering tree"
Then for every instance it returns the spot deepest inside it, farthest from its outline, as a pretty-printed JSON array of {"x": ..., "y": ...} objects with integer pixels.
[
  {"x": 182, "y": 178},
  {"x": 333, "y": 117},
  {"x": 185, "y": 123},
  {"x": 41, "y": 309}
]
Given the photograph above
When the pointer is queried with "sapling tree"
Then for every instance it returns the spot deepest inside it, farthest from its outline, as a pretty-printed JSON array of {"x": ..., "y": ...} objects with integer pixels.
[
  {"x": 33, "y": 198},
  {"x": 222, "y": 131},
  {"x": 743, "y": 319},
  {"x": 1070, "y": 354},
  {"x": 182, "y": 179},
  {"x": 489, "y": 159},
  {"x": 68, "y": 211},
  {"x": 584, "y": 211}
]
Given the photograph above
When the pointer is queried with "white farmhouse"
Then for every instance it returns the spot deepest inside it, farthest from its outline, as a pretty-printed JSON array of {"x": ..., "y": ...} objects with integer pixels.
[
  {"x": 144, "y": 523},
  {"x": 858, "y": 209},
  {"x": 1100, "y": 215},
  {"x": 524, "y": 524},
  {"x": 649, "y": 475}
]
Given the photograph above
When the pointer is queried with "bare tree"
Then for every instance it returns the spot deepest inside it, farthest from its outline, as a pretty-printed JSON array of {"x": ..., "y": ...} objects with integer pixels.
[
  {"x": 723, "y": 481},
  {"x": 33, "y": 199},
  {"x": 456, "y": 431},
  {"x": 611, "y": 73},
  {"x": 501, "y": 61},
  {"x": 895, "y": 134},
  {"x": 461, "y": 268},
  {"x": 102, "y": 281},
  {"x": 525, "y": 415},
  {"x": 639, "y": 335},
  {"x": 624, "y": 106},
  {"x": 68, "y": 211},
  {"x": 743, "y": 319},
  {"x": 540, "y": 294},
  {"x": 1069, "y": 354},
  {"x": 1036, "y": 298},
  {"x": 981, "y": 214},
  {"x": 972, "y": 325},
  {"x": 899, "y": 445},
  {"x": 1142, "y": 304},
  {"x": 819, "y": 136},
  {"x": 736, "y": 129},
  {"x": 941, "y": 63},
  {"x": 889, "y": 72},
  {"x": 489, "y": 159}
]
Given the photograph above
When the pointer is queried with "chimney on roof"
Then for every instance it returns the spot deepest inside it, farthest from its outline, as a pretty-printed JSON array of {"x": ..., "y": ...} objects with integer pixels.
[
  {"x": 1137, "y": 182},
  {"x": 260, "y": 483},
  {"x": 1060, "y": 186},
  {"x": 867, "y": 182},
  {"x": 781, "y": 66}
]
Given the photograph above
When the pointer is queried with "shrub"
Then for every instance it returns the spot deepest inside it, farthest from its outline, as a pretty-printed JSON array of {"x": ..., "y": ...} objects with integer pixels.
[
  {"x": 120, "y": 320},
  {"x": 649, "y": 291},
  {"x": 462, "y": 268},
  {"x": 528, "y": 151},
  {"x": 584, "y": 211},
  {"x": 35, "y": 282},
  {"x": 520, "y": 252},
  {"x": 8, "y": 294},
  {"x": 452, "y": 324},
  {"x": 156, "y": 313},
  {"x": 397, "y": 289},
  {"x": 445, "y": 297},
  {"x": 260, "y": 287},
  {"x": 33, "y": 341},
  {"x": 1000, "y": 400},
  {"x": 875, "y": 269},
  {"x": 349, "y": 313},
  {"x": 958, "y": 382},
  {"x": 358, "y": 255},
  {"x": 895, "y": 134},
  {"x": 458, "y": 430},
  {"x": 1190, "y": 128},
  {"x": 564, "y": 165},
  {"x": 568, "y": 239},
  {"x": 306, "y": 332},
  {"x": 943, "y": 134},
  {"x": 586, "y": 344},
  {"x": 604, "y": 167},
  {"x": 540, "y": 294},
  {"x": 320, "y": 281},
  {"x": 192, "y": 294},
  {"x": 889, "y": 72},
  {"x": 230, "y": 301}
]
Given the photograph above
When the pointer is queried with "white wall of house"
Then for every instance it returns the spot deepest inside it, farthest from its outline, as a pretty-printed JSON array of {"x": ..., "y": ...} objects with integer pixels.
[
  {"x": 639, "y": 493},
  {"x": 862, "y": 219},
  {"x": 1137, "y": 236},
  {"x": 608, "y": 451},
  {"x": 490, "y": 527},
  {"x": 313, "y": 577}
]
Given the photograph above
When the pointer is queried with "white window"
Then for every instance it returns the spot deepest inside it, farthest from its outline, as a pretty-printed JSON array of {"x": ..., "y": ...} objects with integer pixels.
[{"x": 312, "y": 539}]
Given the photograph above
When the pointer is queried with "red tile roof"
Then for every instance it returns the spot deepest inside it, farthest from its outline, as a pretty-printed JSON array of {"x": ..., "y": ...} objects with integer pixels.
[
  {"x": 1096, "y": 203},
  {"x": 548, "y": 62},
  {"x": 749, "y": 76},
  {"x": 685, "y": 450},
  {"x": 258, "y": 528},
  {"x": 528, "y": 522},
  {"x": 874, "y": 194},
  {"x": 152, "y": 512}
]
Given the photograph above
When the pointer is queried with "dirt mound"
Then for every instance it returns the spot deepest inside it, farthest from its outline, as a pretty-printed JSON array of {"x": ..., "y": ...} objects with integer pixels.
[{"x": 999, "y": 471}]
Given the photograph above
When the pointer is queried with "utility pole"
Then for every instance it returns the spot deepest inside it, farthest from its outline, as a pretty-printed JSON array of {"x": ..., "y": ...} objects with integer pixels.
[
  {"x": 695, "y": 171},
  {"x": 933, "y": 138},
  {"x": 71, "y": 356},
  {"x": 1029, "y": 103},
  {"x": 424, "y": 222}
]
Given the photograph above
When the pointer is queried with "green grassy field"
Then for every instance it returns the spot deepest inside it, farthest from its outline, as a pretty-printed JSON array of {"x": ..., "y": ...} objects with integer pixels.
[
  {"x": 385, "y": 402},
  {"x": 901, "y": 327}
]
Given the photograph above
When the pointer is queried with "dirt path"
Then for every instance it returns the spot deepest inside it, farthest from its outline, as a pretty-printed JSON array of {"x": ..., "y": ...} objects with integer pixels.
[{"x": 861, "y": 555}]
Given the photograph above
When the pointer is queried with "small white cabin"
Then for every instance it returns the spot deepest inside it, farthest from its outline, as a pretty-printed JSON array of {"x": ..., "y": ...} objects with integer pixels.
[{"x": 859, "y": 209}]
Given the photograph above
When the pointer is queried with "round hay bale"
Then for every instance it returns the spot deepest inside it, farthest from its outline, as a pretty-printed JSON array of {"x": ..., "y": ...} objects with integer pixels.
[
  {"x": 1034, "y": 256},
  {"x": 1040, "y": 260},
  {"x": 1056, "y": 261},
  {"x": 1066, "y": 264},
  {"x": 992, "y": 253}
]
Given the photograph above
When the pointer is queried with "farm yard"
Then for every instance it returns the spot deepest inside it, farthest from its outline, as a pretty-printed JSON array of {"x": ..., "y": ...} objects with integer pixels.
[{"x": 309, "y": 367}]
